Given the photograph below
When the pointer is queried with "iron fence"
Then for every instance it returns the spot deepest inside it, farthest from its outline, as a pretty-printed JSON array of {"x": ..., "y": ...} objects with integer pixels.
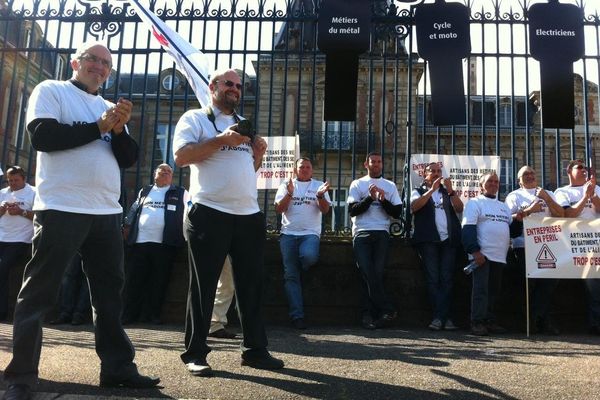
[{"x": 273, "y": 43}]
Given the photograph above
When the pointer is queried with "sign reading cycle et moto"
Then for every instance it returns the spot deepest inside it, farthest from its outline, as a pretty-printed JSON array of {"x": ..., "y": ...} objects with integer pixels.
[
  {"x": 343, "y": 33},
  {"x": 443, "y": 40},
  {"x": 556, "y": 40}
]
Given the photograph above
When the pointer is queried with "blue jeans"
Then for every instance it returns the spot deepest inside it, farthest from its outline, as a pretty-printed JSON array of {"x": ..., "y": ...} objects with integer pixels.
[
  {"x": 439, "y": 265},
  {"x": 299, "y": 253},
  {"x": 370, "y": 253},
  {"x": 487, "y": 280}
]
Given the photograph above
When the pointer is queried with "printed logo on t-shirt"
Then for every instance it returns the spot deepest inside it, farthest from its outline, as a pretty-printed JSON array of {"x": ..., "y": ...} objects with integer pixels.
[
  {"x": 497, "y": 217},
  {"x": 243, "y": 147},
  {"x": 154, "y": 204}
]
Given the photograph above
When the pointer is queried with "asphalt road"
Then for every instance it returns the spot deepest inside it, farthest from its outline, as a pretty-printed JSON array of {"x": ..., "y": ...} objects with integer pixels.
[{"x": 333, "y": 363}]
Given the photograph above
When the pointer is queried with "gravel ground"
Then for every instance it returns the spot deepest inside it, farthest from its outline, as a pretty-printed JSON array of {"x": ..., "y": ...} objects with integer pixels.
[{"x": 333, "y": 363}]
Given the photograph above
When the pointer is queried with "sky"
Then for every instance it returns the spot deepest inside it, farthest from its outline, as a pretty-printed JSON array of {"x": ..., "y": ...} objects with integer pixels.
[{"x": 242, "y": 34}]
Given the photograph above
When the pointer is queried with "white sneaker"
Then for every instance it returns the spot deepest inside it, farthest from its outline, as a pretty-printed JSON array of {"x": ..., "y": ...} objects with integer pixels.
[
  {"x": 199, "y": 369},
  {"x": 449, "y": 325},
  {"x": 435, "y": 325}
]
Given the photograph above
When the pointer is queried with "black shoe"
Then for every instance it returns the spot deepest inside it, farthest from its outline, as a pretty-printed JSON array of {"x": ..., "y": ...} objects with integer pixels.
[
  {"x": 545, "y": 325},
  {"x": 367, "y": 322},
  {"x": 262, "y": 361},
  {"x": 3, "y": 316},
  {"x": 222, "y": 334},
  {"x": 299, "y": 323},
  {"x": 386, "y": 319},
  {"x": 479, "y": 329},
  {"x": 199, "y": 368},
  {"x": 77, "y": 319},
  {"x": 493, "y": 327},
  {"x": 595, "y": 330},
  {"x": 136, "y": 381},
  {"x": 17, "y": 391},
  {"x": 61, "y": 320}
]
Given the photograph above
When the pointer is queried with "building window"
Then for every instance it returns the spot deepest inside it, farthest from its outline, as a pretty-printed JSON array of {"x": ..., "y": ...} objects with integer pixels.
[
  {"x": 338, "y": 135},
  {"x": 59, "y": 69},
  {"x": 339, "y": 214},
  {"x": 170, "y": 82},
  {"x": 507, "y": 184},
  {"x": 485, "y": 110},
  {"x": 27, "y": 43},
  {"x": 162, "y": 138},
  {"x": 20, "y": 137},
  {"x": 505, "y": 114}
]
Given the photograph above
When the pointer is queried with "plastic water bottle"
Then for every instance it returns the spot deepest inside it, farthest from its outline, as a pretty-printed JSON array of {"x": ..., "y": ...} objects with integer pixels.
[{"x": 472, "y": 266}]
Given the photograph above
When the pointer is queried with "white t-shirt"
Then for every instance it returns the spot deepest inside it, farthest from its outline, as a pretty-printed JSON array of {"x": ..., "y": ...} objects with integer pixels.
[
  {"x": 375, "y": 218},
  {"x": 441, "y": 222},
  {"x": 226, "y": 181},
  {"x": 84, "y": 179},
  {"x": 522, "y": 198},
  {"x": 570, "y": 195},
  {"x": 17, "y": 228},
  {"x": 303, "y": 216},
  {"x": 151, "y": 222},
  {"x": 492, "y": 218}
]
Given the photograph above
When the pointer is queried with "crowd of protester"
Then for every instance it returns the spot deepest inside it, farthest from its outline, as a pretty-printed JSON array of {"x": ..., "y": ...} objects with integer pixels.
[{"x": 78, "y": 249}]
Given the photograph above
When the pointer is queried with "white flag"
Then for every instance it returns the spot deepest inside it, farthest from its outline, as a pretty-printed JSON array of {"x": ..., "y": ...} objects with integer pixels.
[{"x": 192, "y": 62}]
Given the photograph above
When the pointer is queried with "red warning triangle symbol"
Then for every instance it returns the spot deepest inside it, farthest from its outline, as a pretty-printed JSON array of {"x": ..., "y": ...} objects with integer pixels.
[{"x": 545, "y": 255}]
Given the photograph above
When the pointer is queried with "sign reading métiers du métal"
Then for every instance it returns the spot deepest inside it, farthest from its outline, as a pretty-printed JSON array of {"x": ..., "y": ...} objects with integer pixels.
[{"x": 343, "y": 33}]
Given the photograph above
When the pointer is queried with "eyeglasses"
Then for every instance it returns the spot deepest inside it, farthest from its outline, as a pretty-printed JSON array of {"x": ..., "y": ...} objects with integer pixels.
[
  {"x": 230, "y": 84},
  {"x": 434, "y": 171},
  {"x": 95, "y": 59}
]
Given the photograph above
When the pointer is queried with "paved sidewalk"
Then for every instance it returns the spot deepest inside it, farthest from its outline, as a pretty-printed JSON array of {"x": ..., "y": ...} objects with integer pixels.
[{"x": 333, "y": 363}]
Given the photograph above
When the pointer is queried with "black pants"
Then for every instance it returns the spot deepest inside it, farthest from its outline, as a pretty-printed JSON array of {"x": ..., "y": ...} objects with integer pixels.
[
  {"x": 57, "y": 238},
  {"x": 147, "y": 280},
  {"x": 212, "y": 235},
  {"x": 75, "y": 291},
  {"x": 10, "y": 254}
]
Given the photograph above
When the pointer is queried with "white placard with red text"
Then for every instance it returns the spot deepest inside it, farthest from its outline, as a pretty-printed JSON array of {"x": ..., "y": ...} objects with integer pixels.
[
  {"x": 278, "y": 161},
  {"x": 567, "y": 248},
  {"x": 463, "y": 170}
]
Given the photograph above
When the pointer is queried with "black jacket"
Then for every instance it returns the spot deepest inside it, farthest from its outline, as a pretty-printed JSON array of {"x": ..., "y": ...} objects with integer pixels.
[
  {"x": 424, "y": 220},
  {"x": 173, "y": 231}
]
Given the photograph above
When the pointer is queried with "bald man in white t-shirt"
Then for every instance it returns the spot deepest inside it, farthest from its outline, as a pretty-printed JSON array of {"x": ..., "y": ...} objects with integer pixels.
[{"x": 82, "y": 142}]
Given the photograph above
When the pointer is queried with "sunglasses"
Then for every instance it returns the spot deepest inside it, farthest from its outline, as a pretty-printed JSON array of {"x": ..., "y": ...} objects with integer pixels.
[
  {"x": 579, "y": 166},
  {"x": 94, "y": 59},
  {"x": 231, "y": 84}
]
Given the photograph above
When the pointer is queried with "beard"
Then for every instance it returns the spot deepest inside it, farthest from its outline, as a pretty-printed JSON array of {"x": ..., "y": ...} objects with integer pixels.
[{"x": 225, "y": 100}]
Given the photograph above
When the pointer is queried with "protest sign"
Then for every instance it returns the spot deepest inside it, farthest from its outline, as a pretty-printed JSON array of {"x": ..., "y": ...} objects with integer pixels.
[
  {"x": 278, "y": 161},
  {"x": 463, "y": 170},
  {"x": 567, "y": 248}
]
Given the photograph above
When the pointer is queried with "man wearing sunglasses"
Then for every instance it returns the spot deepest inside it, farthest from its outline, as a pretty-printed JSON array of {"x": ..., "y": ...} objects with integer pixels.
[
  {"x": 582, "y": 198},
  {"x": 224, "y": 219},
  {"x": 82, "y": 142}
]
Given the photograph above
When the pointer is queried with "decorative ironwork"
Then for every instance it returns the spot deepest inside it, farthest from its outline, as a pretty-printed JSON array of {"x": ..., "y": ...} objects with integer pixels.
[{"x": 103, "y": 18}]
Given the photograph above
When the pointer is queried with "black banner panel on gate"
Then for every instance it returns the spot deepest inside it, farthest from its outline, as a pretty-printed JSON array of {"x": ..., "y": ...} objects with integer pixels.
[
  {"x": 556, "y": 40},
  {"x": 443, "y": 39},
  {"x": 343, "y": 33}
]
